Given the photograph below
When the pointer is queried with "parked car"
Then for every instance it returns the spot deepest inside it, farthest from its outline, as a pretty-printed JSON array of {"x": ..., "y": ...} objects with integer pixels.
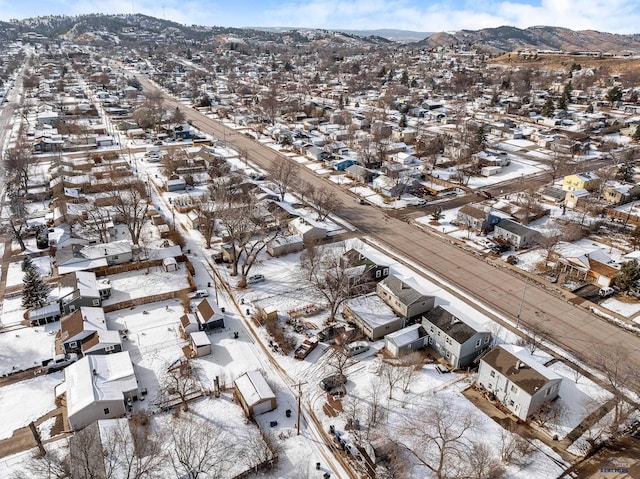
[
  {"x": 59, "y": 362},
  {"x": 606, "y": 292},
  {"x": 357, "y": 347},
  {"x": 201, "y": 293},
  {"x": 333, "y": 382},
  {"x": 256, "y": 278}
]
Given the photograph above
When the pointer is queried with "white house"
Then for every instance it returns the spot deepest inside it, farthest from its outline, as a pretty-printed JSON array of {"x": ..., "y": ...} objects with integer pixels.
[
  {"x": 517, "y": 380},
  {"x": 254, "y": 394},
  {"x": 97, "y": 387}
]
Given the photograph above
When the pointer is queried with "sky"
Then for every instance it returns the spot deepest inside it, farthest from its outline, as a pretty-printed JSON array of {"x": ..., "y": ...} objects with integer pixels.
[{"x": 615, "y": 16}]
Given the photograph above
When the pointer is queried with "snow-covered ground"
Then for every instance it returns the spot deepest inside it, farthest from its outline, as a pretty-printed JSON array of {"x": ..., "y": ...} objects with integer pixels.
[
  {"x": 27, "y": 401},
  {"x": 27, "y": 347},
  {"x": 15, "y": 273}
]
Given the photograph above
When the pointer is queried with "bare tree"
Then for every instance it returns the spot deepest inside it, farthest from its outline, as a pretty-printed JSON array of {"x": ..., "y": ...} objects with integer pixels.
[
  {"x": 131, "y": 205},
  {"x": 284, "y": 175},
  {"x": 18, "y": 162},
  {"x": 258, "y": 449},
  {"x": 483, "y": 463},
  {"x": 374, "y": 397},
  {"x": 392, "y": 375},
  {"x": 339, "y": 362},
  {"x": 200, "y": 448},
  {"x": 324, "y": 202},
  {"x": 53, "y": 465},
  {"x": 441, "y": 438},
  {"x": 98, "y": 221},
  {"x": 18, "y": 215},
  {"x": 333, "y": 279},
  {"x": 181, "y": 381},
  {"x": 621, "y": 375},
  {"x": 537, "y": 333}
]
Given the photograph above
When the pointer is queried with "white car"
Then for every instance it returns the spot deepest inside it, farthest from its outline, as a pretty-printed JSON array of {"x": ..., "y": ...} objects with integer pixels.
[{"x": 201, "y": 293}]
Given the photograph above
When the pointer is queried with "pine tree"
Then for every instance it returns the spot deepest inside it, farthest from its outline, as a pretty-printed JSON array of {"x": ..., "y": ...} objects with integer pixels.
[
  {"x": 628, "y": 276},
  {"x": 626, "y": 171},
  {"x": 27, "y": 263},
  {"x": 35, "y": 290},
  {"x": 547, "y": 109}
]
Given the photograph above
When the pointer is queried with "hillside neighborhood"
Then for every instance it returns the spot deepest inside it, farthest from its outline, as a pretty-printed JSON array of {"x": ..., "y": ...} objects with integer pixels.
[{"x": 234, "y": 253}]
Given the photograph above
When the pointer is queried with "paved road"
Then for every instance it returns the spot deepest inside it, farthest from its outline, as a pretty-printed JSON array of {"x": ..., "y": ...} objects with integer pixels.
[{"x": 499, "y": 290}]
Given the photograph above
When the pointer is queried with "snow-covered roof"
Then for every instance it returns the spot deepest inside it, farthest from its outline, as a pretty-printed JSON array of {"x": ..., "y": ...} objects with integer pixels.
[
  {"x": 113, "y": 377},
  {"x": 253, "y": 388},
  {"x": 200, "y": 338},
  {"x": 372, "y": 310},
  {"x": 106, "y": 249},
  {"x": 405, "y": 335}
]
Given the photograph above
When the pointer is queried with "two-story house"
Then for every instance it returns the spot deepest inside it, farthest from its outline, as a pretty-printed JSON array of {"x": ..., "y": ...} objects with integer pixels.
[
  {"x": 404, "y": 299},
  {"x": 375, "y": 269},
  {"x": 580, "y": 181},
  {"x": 517, "y": 380},
  {"x": 455, "y": 336}
]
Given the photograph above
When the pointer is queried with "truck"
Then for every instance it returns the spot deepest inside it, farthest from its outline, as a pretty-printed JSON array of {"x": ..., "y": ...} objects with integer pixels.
[
  {"x": 58, "y": 362},
  {"x": 305, "y": 348}
]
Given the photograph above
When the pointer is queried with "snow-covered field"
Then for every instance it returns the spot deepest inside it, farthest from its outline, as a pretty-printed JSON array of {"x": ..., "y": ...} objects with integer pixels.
[
  {"x": 27, "y": 347},
  {"x": 27, "y": 401}
]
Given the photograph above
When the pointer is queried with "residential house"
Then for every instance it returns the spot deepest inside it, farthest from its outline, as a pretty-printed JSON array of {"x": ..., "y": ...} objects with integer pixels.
[
  {"x": 309, "y": 230},
  {"x": 76, "y": 254},
  {"x": 479, "y": 218},
  {"x": 406, "y": 340},
  {"x": 405, "y": 300},
  {"x": 85, "y": 331},
  {"x": 553, "y": 195},
  {"x": 455, "y": 336},
  {"x": 284, "y": 245},
  {"x": 517, "y": 234},
  {"x": 517, "y": 380},
  {"x": 81, "y": 288},
  {"x": 98, "y": 387},
  {"x": 620, "y": 193},
  {"x": 577, "y": 198},
  {"x": 209, "y": 315},
  {"x": 594, "y": 264},
  {"x": 580, "y": 181},
  {"x": 317, "y": 154},
  {"x": 360, "y": 173},
  {"x": 372, "y": 316},
  {"x": 392, "y": 187},
  {"x": 255, "y": 395},
  {"x": 375, "y": 268}
]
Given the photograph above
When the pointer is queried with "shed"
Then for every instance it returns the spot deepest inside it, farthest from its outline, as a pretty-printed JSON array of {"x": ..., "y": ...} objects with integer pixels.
[
  {"x": 178, "y": 184},
  {"x": 406, "y": 340},
  {"x": 254, "y": 394},
  {"x": 169, "y": 264},
  {"x": 200, "y": 343},
  {"x": 189, "y": 323}
]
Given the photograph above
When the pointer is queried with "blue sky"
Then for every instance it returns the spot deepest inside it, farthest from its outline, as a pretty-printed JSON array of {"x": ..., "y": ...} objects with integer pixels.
[{"x": 617, "y": 16}]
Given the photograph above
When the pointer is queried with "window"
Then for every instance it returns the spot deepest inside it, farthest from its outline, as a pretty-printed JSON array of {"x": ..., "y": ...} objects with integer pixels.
[
  {"x": 511, "y": 402},
  {"x": 492, "y": 374},
  {"x": 378, "y": 273},
  {"x": 438, "y": 333},
  {"x": 385, "y": 272},
  {"x": 110, "y": 348},
  {"x": 96, "y": 302},
  {"x": 448, "y": 355},
  {"x": 478, "y": 343},
  {"x": 514, "y": 389},
  {"x": 106, "y": 411},
  {"x": 73, "y": 345},
  {"x": 486, "y": 340}
]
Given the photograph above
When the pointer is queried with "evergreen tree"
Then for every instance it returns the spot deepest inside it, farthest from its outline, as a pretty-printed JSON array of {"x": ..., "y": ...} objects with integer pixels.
[
  {"x": 628, "y": 276},
  {"x": 615, "y": 94},
  {"x": 35, "y": 290},
  {"x": 403, "y": 121},
  {"x": 636, "y": 134},
  {"x": 26, "y": 263},
  {"x": 626, "y": 170},
  {"x": 547, "y": 109}
]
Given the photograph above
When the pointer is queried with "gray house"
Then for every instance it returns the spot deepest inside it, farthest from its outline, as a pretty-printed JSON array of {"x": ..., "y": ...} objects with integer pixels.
[
  {"x": 372, "y": 316},
  {"x": 375, "y": 269},
  {"x": 515, "y": 233},
  {"x": 81, "y": 288},
  {"x": 517, "y": 380},
  {"x": 454, "y": 336},
  {"x": 406, "y": 340},
  {"x": 405, "y": 300}
]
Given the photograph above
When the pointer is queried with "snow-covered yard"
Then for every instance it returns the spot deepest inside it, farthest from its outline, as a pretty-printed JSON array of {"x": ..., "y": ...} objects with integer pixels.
[
  {"x": 27, "y": 347},
  {"x": 140, "y": 283}
]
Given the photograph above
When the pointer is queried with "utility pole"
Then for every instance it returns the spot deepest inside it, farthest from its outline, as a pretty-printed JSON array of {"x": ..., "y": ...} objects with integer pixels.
[
  {"x": 524, "y": 290},
  {"x": 299, "y": 407}
]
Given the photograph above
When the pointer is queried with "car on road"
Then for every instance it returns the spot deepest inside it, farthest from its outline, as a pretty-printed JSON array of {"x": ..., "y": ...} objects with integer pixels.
[
  {"x": 256, "y": 278},
  {"x": 357, "y": 347},
  {"x": 201, "y": 293}
]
